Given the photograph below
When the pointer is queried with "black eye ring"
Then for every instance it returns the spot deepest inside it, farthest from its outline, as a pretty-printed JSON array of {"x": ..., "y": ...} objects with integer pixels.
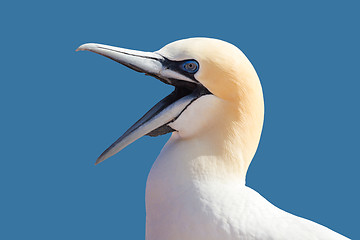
[{"x": 190, "y": 66}]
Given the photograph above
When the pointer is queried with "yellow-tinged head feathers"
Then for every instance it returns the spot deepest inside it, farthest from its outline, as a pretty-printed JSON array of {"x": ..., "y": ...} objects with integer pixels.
[{"x": 224, "y": 70}]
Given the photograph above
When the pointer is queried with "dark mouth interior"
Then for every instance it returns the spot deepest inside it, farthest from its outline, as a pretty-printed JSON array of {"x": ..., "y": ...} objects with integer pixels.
[{"x": 182, "y": 89}]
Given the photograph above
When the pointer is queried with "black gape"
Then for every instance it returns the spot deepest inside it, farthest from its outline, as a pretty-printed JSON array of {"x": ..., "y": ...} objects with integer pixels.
[{"x": 178, "y": 93}]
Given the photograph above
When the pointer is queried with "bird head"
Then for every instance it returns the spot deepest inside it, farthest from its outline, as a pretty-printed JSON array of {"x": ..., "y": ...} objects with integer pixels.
[
  {"x": 222, "y": 68},
  {"x": 216, "y": 87}
]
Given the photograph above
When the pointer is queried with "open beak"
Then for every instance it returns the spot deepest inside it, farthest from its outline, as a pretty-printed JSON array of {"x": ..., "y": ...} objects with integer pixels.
[{"x": 155, "y": 121}]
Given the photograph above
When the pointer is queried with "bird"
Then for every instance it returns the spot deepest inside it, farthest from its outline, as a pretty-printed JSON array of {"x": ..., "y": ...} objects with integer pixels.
[{"x": 196, "y": 188}]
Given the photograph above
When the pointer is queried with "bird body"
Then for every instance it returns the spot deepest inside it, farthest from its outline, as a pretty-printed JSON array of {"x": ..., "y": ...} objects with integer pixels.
[
  {"x": 182, "y": 204},
  {"x": 196, "y": 187}
]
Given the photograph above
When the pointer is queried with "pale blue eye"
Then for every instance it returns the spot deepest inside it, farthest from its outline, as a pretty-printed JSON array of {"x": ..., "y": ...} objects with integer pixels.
[{"x": 190, "y": 66}]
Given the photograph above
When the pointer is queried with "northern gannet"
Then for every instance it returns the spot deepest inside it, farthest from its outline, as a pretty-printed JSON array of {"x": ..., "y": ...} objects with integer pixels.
[{"x": 196, "y": 187}]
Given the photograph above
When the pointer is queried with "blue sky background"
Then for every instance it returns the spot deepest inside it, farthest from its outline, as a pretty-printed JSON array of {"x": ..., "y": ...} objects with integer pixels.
[{"x": 60, "y": 109}]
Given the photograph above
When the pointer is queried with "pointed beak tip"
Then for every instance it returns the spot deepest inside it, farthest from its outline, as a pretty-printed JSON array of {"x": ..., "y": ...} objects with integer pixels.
[
  {"x": 99, "y": 160},
  {"x": 86, "y": 46},
  {"x": 80, "y": 48}
]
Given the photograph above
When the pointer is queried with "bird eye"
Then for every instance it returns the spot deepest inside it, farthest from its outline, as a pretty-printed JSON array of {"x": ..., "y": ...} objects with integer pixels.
[{"x": 190, "y": 66}]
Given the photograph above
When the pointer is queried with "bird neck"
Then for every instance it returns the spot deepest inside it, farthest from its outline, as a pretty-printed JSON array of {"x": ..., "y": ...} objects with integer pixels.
[
  {"x": 183, "y": 163},
  {"x": 219, "y": 153}
]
